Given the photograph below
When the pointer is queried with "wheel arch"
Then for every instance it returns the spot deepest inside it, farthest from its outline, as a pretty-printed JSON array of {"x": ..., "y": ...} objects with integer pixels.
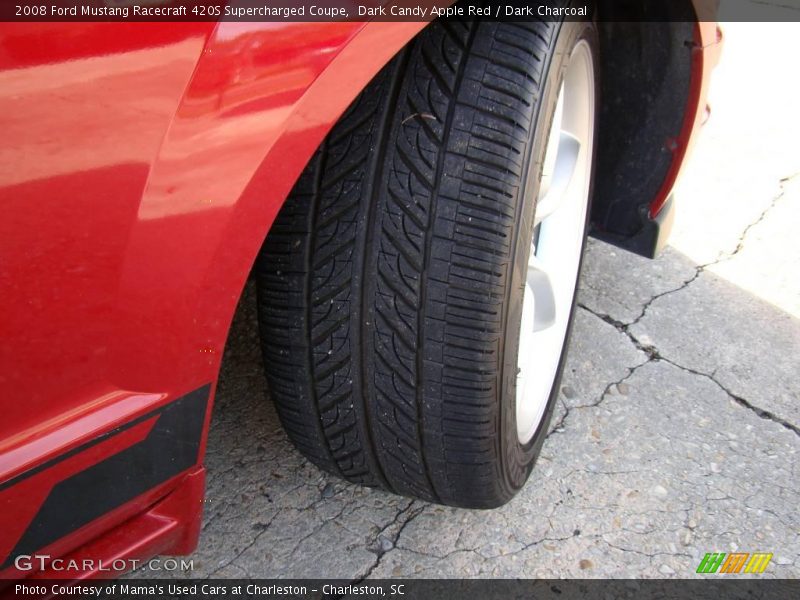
[
  {"x": 260, "y": 101},
  {"x": 656, "y": 63}
]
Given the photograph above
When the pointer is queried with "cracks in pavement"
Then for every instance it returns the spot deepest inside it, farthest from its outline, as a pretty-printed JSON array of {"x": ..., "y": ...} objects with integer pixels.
[
  {"x": 250, "y": 544},
  {"x": 654, "y": 355},
  {"x": 382, "y": 545},
  {"x": 697, "y": 271},
  {"x": 559, "y": 427},
  {"x": 781, "y": 191},
  {"x": 650, "y": 555},
  {"x": 723, "y": 256},
  {"x": 764, "y": 414},
  {"x": 529, "y": 545},
  {"x": 650, "y": 352},
  {"x": 263, "y": 526}
]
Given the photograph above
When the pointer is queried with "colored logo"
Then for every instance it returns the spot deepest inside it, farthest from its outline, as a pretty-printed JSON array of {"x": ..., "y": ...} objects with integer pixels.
[{"x": 736, "y": 562}]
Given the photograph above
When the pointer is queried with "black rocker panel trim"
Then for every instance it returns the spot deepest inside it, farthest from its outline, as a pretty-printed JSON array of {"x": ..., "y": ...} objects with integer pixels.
[{"x": 172, "y": 446}]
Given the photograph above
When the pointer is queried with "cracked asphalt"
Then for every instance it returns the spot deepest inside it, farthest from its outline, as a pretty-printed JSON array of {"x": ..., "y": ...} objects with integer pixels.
[{"x": 678, "y": 426}]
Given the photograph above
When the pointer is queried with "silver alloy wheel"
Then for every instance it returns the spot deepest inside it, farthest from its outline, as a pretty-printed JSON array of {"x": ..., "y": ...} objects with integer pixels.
[{"x": 557, "y": 242}]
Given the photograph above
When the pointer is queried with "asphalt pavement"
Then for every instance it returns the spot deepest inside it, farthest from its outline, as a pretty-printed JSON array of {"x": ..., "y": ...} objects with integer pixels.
[{"x": 678, "y": 426}]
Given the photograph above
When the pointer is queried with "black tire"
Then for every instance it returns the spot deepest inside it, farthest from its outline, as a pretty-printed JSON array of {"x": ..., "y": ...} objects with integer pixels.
[{"x": 390, "y": 284}]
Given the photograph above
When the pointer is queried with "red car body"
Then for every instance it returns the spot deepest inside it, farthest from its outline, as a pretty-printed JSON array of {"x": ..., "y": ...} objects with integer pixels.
[{"x": 142, "y": 166}]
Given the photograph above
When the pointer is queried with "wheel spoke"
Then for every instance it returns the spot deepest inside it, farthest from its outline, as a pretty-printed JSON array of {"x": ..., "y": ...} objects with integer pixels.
[
  {"x": 566, "y": 158},
  {"x": 544, "y": 305}
]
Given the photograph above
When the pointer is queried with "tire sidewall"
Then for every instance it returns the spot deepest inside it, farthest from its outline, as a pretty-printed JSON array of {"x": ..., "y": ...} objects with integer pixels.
[{"x": 517, "y": 458}]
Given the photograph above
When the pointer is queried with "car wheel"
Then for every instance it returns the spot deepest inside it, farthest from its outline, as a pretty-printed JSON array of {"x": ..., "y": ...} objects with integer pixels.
[{"x": 416, "y": 290}]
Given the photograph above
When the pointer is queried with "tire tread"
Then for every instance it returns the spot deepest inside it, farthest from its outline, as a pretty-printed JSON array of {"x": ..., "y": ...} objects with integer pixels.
[{"x": 382, "y": 283}]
